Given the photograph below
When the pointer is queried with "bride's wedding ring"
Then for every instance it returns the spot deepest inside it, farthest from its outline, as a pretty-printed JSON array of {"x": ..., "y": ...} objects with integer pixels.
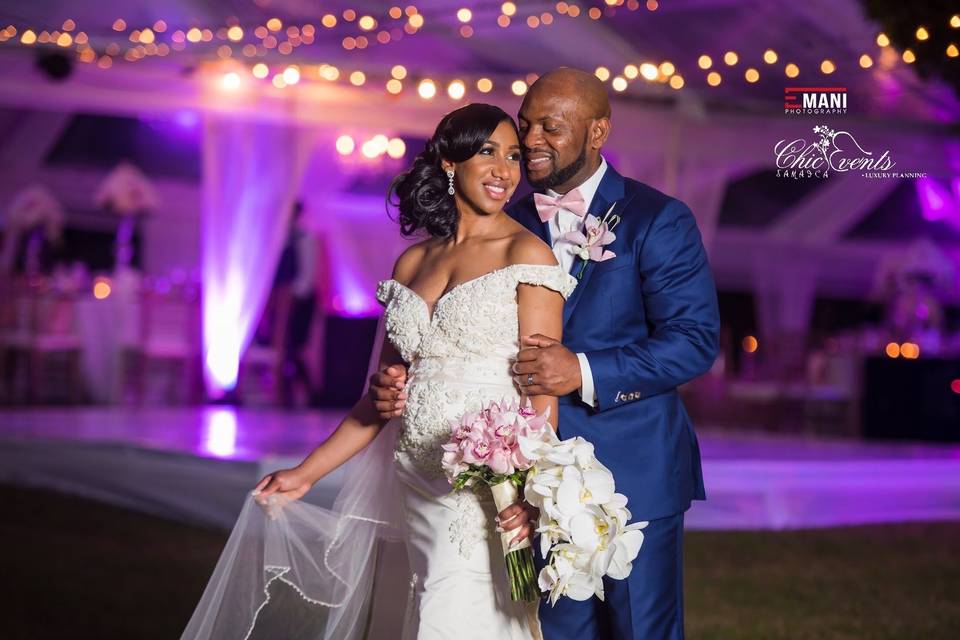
[{"x": 529, "y": 379}]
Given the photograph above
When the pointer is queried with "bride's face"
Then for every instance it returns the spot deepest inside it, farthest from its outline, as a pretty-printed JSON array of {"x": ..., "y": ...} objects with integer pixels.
[{"x": 487, "y": 180}]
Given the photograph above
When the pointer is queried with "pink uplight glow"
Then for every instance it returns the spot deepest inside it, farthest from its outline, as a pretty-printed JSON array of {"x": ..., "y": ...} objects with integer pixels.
[{"x": 220, "y": 432}]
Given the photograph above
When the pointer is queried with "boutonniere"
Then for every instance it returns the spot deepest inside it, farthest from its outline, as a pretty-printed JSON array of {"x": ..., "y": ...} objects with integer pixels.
[{"x": 597, "y": 233}]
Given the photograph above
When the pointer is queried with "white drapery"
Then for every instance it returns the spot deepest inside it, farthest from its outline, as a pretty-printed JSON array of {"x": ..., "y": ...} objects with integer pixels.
[{"x": 251, "y": 175}]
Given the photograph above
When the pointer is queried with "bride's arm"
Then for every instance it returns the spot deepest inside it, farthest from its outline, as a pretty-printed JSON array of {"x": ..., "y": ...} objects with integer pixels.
[
  {"x": 356, "y": 431},
  {"x": 540, "y": 310}
]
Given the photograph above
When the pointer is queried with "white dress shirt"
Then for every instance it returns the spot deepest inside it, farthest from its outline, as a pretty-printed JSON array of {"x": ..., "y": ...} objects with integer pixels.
[{"x": 562, "y": 222}]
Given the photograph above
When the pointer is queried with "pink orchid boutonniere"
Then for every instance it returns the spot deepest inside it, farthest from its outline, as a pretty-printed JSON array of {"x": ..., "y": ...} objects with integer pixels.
[{"x": 589, "y": 243}]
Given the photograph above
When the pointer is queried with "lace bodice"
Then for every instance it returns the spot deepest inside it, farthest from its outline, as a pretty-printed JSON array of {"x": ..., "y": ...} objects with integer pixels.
[
  {"x": 459, "y": 357},
  {"x": 475, "y": 318}
]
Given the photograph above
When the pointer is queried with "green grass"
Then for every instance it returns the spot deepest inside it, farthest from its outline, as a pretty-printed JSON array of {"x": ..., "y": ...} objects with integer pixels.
[{"x": 74, "y": 569}]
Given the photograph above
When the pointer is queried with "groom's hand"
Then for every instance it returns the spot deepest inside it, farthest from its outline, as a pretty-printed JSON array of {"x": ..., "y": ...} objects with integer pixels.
[
  {"x": 387, "y": 391},
  {"x": 555, "y": 369}
]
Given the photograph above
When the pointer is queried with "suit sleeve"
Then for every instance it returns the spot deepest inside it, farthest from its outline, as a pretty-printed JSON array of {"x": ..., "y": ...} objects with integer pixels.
[{"x": 680, "y": 301}]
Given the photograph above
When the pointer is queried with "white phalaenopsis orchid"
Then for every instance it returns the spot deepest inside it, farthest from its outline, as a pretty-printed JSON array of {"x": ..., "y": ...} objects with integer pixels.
[{"x": 583, "y": 522}]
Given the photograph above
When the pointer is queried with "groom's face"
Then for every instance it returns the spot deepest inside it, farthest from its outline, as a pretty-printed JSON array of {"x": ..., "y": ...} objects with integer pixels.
[{"x": 554, "y": 137}]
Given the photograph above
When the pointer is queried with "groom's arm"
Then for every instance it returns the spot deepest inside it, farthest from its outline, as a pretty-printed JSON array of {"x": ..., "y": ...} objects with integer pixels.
[{"x": 680, "y": 301}]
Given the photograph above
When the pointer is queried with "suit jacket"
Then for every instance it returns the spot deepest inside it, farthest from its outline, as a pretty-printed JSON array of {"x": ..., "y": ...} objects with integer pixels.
[{"x": 648, "y": 322}]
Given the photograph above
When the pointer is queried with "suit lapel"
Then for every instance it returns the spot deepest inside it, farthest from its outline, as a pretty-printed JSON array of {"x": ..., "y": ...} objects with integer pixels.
[{"x": 609, "y": 192}]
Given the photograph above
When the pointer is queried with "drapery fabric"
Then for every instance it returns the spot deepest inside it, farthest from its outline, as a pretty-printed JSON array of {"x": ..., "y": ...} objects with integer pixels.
[{"x": 251, "y": 177}]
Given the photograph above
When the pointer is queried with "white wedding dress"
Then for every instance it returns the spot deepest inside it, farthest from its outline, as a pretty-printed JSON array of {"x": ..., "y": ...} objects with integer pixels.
[
  {"x": 459, "y": 360},
  {"x": 399, "y": 555}
]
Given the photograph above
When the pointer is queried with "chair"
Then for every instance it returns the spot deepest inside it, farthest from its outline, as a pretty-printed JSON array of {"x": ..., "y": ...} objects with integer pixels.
[
  {"x": 170, "y": 330},
  {"x": 54, "y": 338}
]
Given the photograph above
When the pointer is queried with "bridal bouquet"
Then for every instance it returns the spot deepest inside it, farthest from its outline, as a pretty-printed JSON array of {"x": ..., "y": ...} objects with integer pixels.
[
  {"x": 484, "y": 446},
  {"x": 583, "y": 523}
]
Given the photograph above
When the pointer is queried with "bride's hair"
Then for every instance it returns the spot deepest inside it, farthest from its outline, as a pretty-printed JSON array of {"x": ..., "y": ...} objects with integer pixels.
[{"x": 420, "y": 193}]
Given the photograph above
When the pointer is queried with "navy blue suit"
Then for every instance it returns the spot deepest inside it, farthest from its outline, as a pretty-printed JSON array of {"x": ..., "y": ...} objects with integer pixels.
[{"x": 647, "y": 321}]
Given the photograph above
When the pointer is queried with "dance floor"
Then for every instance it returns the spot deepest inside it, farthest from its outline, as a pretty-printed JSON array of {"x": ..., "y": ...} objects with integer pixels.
[{"x": 196, "y": 465}]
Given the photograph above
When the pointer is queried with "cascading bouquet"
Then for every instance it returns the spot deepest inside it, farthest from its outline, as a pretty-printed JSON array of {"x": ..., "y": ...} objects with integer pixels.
[
  {"x": 583, "y": 522},
  {"x": 484, "y": 446}
]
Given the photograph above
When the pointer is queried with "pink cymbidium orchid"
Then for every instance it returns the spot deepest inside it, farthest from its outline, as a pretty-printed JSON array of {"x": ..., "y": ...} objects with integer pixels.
[{"x": 590, "y": 242}]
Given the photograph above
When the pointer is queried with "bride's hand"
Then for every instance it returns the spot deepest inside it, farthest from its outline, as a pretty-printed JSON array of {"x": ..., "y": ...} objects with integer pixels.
[
  {"x": 286, "y": 484},
  {"x": 520, "y": 517}
]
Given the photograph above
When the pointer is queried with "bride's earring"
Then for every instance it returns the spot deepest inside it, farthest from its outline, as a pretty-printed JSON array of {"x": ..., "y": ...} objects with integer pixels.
[{"x": 450, "y": 190}]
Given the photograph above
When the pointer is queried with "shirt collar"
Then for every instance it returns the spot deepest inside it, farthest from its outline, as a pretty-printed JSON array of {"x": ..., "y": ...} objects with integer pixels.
[{"x": 589, "y": 188}]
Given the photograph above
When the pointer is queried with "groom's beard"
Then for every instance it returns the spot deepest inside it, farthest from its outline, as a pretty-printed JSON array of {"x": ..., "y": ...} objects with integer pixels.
[{"x": 562, "y": 175}]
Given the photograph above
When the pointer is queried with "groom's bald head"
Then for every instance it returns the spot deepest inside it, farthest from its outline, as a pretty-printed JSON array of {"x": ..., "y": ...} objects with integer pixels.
[
  {"x": 564, "y": 122},
  {"x": 585, "y": 88}
]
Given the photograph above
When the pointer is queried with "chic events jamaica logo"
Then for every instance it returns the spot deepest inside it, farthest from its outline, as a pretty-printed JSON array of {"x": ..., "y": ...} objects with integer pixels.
[
  {"x": 815, "y": 101},
  {"x": 834, "y": 151}
]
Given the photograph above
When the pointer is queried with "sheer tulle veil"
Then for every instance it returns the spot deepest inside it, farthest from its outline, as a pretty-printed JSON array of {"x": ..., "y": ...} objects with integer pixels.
[{"x": 298, "y": 570}]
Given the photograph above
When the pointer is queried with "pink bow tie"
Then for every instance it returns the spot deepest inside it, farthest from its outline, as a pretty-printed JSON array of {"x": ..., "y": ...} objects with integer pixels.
[{"x": 548, "y": 206}]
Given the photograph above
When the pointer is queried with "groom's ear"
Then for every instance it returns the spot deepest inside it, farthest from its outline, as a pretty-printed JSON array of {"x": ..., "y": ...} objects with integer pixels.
[{"x": 599, "y": 132}]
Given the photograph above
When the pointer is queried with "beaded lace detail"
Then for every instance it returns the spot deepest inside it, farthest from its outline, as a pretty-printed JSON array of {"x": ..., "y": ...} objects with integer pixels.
[{"x": 459, "y": 360}]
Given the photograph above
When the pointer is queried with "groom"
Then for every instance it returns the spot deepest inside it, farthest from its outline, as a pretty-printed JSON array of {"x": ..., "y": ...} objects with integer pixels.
[{"x": 637, "y": 326}]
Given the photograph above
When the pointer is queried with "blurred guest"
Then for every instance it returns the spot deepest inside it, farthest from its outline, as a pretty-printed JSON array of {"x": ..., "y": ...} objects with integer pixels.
[{"x": 295, "y": 283}]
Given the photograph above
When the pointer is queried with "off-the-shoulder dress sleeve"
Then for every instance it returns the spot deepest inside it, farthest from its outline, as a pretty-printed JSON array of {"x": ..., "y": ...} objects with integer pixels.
[
  {"x": 544, "y": 275},
  {"x": 385, "y": 289}
]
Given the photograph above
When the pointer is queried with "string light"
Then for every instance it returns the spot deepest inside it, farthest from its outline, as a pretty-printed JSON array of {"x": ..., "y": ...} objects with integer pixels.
[
  {"x": 508, "y": 9},
  {"x": 519, "y": 87},
  {"x": 28, "y": 37},
  {"x": 329, "y": 72},
  {"x": 230, "y": 81},
  {"x": 955, "y": 21},
  {"x": 908, "y": 56},
  {"x": 676, "y": 81},
  {"x": 827, "y": 67},
  {"x": 649, "y": 71},
  {"x": 235, "y": 33},
  {"x": 750, "y": 344},
  {"x": 731, "y": 58},
  {"x": 713, "y": 78},
  {"x": 770, "y": 56},
  {"x": 952, "y": 51},
  {"x": 922, "y": 34},
  {"x": 619, "y": 83},
  {"x": 752, "y": 75},
  {"x": 883, "y": 40},
  {"x": 357, "y": 78},
  {"x": 427, "y": 89},
  {"x": 464, "y": 15},
  {"x": 398, "y": 72},
  {"x": 866, "y": 61},
  {"x": 456, "y": 89},
  {"x": 484, "y": 85},
  {"x": 602, "y": 73},
  {"x": 260, "y": 70},
  {"x": 394, "y": 86},
  {"x": 791, "y": 70},
  {"x": 667, "y": 68},
  {"x": 345, "y": 145},
  {"x": 291, "y": 75},
  {"x": 631, "y": 71},
  {"x": 396, "y": 148},
  {"x": 705, "y": 61}
]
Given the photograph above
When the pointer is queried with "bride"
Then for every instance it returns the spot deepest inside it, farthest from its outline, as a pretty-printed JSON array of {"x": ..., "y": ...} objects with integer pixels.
[{"x": 455, "y": 307}]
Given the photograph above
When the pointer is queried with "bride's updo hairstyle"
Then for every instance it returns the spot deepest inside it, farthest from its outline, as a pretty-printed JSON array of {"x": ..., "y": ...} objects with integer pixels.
[{"x": 420, "y": 193}]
